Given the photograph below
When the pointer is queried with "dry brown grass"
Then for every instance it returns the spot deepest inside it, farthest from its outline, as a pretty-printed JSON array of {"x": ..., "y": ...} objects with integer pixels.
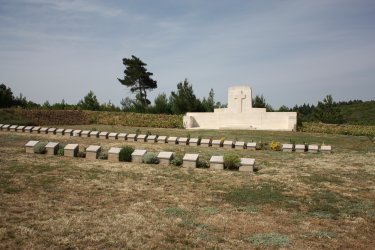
[{"x": 295, "y": 201}]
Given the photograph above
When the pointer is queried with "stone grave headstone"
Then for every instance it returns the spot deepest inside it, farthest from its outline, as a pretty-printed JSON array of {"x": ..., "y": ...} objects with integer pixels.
[
  {"x": 183, "y": 141},
  {"x": 51, "y": 148},
  {"x": 151, "y": 138},
  {"x": 141, "y": 138},
  {"x": 137, "y": 155},
  {"x": 112, "y": 136},
  {"x": 29, "y": 146},
  {"x": 313, "y": 148},
  {"x": 94, "y": 134},
  {"x": 217, "y": 162},
  {"x": 103, "y": 135},
  {"x": 113, "y": 154},
  {"x": 28, "y": 129},
  {"x": 71, "y": 150},
  {"x": 165, "y": 157},
  {"x": 287, "y": 147},
  {"x": 92, "y": 152},
  {"x": 77, "y": 132},
  {"x": 20, "y": 129},
  {"x": 228, "y": 144},
  {"x": 251, "y": 145},
  {"x": 162, "y": 139},
  {"x": 190, "y": 160},
  {"x": 206, "y": 142},
  {"x": 85, "y": 133},
  {"x": 132, "y": 137},
  {"x": 5, "y": 127},
  {"x": 60, "y": 131},
  {"x": 35, "y": 130},
  {"x": 216, "y": 143},
  {"x": 172, "y": 140},
  {"x": 68, "y": 132},
  {"x": 300, "y": 148},
  {"x": 122, "y": 136},
  {"x": 43, "y": 130},
  {"x": 247, "y": 165},
  {"x": 239, "y": 145},
  {"x": 193, "y": 141},
  {"x": 326, "y": 149},
  {"x": 51, "y": 131},
  {"x": 13, "y": 128}
]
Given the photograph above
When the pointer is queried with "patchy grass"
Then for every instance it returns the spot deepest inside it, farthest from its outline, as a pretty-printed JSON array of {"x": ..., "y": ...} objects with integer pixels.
[{"x": 269, "y": 239}]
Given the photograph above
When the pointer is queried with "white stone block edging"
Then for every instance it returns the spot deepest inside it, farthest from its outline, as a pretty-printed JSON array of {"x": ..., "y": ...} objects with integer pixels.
[
  {"x": 92, "y": 152},
  {"x": 51, "y": 148},
  {"x": 190, "y": 160},
  {"x": 71, "y": 150},
  {"x": 183, "y": 141},
  {"x": 216, "y": 143},
  {"x": 137, "y": 155},
  {"x": 43, "y": 130},
  {"x": 300, "y": 148},
  {"x": 152, "y": 138},
  {"x": 132, "y": 137},
  {"x": 247, "y": 165},
  {"x": 13, "y": 128},
  {"x": 217, "y": 162},
  {"x": 165, "y": 157},
  {"x": 29, "y": 146}
]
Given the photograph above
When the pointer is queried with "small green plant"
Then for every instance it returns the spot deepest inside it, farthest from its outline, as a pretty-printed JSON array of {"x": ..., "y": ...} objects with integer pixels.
[
  {"x": 103, "y": 156},
  {"x": 150, "y": 158},
  {"x": 93, "y": 129},
  {"x": 231, "y": 161},
  {"x": 60, "y": 152},
  {"x": 82, "y": 153},
  {"x": 126, "y": 154},
  {"x": 188, "y": 135},
  {"x": 199, "y": 140},
  {"x": 40, "y": 148},
  {"x": 148, "y": 133},
  {"x": 275, "y": 146},
  {"x": 138, "y": 131},
  {"x": 269, "y": 239},
  {"x": 176, "y": 161},
  {"x": 202, "y": 164}
]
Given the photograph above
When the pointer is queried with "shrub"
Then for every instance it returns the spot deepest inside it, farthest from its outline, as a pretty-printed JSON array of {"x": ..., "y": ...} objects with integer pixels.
[
  {"x": 176, "y": 161},
  {"x": 231, "y": 161},
  {"x": 150, "y": 158},
  {"x": 275, "y": 146},
  {"x": 103, "y": 156},
  {"x": 202, "y": 164},
  {"x": 40, "y": 148},
  {"x": 126, "y": 154},
  {"x": 60, "y": 151},
  {"x": 82, "y": 153}
]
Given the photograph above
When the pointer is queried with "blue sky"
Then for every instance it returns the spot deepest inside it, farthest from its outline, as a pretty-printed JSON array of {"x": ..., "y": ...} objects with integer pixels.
[{"x": 291, "y": 51}]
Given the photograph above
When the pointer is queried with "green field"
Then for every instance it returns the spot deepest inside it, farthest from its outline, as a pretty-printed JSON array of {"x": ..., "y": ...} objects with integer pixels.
[{"x": 295, "y": 200}]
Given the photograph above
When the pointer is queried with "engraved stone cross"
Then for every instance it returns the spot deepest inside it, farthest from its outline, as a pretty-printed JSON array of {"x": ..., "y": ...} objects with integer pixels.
[{"x": 239, "y": 97}]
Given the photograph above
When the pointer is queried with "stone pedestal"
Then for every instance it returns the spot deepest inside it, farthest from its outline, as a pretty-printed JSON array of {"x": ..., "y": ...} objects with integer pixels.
[
  {"x": 193, "y": 141},
  {"x": 216, "y": 143},
  {"x": 5, "y": 127},
  {"x": 313, "y": 148},
  {"x": 28, "y": 129},
  {"x": 112, "y": 136},
  {"x": 137, "y": 155},
  {"x": 77, "y": 133},
  {"x": 287, "y": 147},
  {"x": 113, "y": 154},
  {"x": 122, "y": 136},
  {"x": 51, "y": 148},
  {"x": 205, "y": 142},
  {"x": 60, "y": 131},
  {"x": 13, "y": 128},
  {"x": 51, "y": 131},
  {"x": 228, "y": 144},
  {"x": 151, "y": 138},
  {"x": 35, "y": 130},
  {"x": 165, "y": 157},
  {"x": 162, "y": 139},
  {"x": 132, "y": 137},
  {"x": 71, "y": 150},
  {"x": 20, "y": 129},
  {"x": 325, "y": 149},
  {"x": 190, "y": 160},
  {"x": 43, "y": 130},
  {"x": 183, "y": 141},
  {"x": 247, "y": 165},
  {"x": 85, "y": 133},
  {"x": 94, "y": 134},
  {"x": 92, "y": 152},
  {"x": 141, "y": 138},
  {"x": 103, "y": 135},
  {"x": 217, "y": 162},
  {"x": 29, "y": 146},
  {"x": 239, "y": 145},
  {"x": 300, "y": 148},
  {"x": 68, "y": 132},
  {"x": 172, "y": 140}
]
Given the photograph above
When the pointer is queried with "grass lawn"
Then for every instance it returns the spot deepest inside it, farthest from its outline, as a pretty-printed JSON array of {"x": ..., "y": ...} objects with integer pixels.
[{"x": 296, "y": 200}]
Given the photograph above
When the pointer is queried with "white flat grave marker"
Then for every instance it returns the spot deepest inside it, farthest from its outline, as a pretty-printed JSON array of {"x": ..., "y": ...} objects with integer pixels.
[
  {"x": 35, "y": 130},
  {"x": 43, "y": 130},
  {"x": 71, "y": 150},
  {"x": 94, "y": 134},
  {"x": 239, "y": 145},
  {"x": 51, "y": 148},
  {"x": 172, "y": 140},
  {"x": 247, "y": 165},
  {"x": 122, "y": 136},
  {"x": 300, "y": 148},
  {"x": 68, "y": 132},
  {"x": 92, "y": 152},
  {"x": 313, "y": 148},
  {"x": 325, "y": 149},
  {"x": 60, "y": 131},
  {"x": 5, "y": 127},
  {"x": 151, "y": 138},
  {"x": 162, "y": 139},
  {"x": 190, "y": 160},
  {"x": 103, "y": 135},
  {"x": 113, "y": 154},
  {"x": 13, "y": 128},
  {"x": 287, "y": 147},
  {"x": 77, "y": 132},
  {"x": 251, "y": 145},
  {"x": 141, "y": 138},
  {"x": 205, "y": 142},
  {"x": 193, "y": 141},
  {"x": 216, "y": 143},
  {"x": 183, "y": 141},
  {"x": 217, "y": 162},
  {"x": 165, "y": 157},
  {"x": 29, "y": 146},
  {"x": 138, "y": 154},
  {"x": 228, "y": 144},
  {"x": 85, "y": 133},
  {"x": 28, "y": 129},
  {"x": 132, "y": 137},
  {"x": 51, "y": 131},
  {"x": 20, "y": 129},
  {"x": 112, "y": 136}
]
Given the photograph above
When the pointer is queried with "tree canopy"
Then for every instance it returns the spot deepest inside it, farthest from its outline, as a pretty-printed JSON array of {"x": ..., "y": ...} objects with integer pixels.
[
  {"x": 138, "y": 79},
  {"x": 89, "y": 102}
]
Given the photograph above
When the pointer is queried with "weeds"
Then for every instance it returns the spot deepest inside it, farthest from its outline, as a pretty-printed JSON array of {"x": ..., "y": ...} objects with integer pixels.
[{"x": 270, "y": 239}]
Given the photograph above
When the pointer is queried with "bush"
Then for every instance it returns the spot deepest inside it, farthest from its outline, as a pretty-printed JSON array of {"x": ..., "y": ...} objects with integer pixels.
[
  {"x": 202, "y": 164},
  {"x": 103, "y": 156},
  {"x": 176, "y": 161},
  {"x": 150, "y": 158},
  {"x": 126, "y": 154},
  {"x": 275, "y": 146},
  {"x": 82, "y": 153},
  {"x": 40, "y": 148},
  {"x": 60, "y": 152},
  {"x": 231, "y": 161}
]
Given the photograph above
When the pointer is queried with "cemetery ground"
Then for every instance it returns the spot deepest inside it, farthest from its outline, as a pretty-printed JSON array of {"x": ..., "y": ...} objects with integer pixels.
[{"x": 296, "y": 200}]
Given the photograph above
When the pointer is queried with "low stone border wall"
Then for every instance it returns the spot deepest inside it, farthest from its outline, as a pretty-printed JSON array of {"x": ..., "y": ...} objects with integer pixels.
[{"x": 183, "y": 141}]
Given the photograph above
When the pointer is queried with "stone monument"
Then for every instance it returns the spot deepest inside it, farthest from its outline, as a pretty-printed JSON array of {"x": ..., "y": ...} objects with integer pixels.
[{"x": 241, "y": 115}]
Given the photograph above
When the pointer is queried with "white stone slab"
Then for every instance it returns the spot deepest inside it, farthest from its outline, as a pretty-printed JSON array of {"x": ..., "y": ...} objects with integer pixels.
[
  {"x": 138, "y": 154},
  {"x": 51, "y": 148},
  {"x": 191, "y": 157},
  {"x": 51, "y": 130},
  {"x": 313, "y": 148},
  {"x": 141, "y": 138},
  {"x": 228, "y": 144},
  {"x": 132, "y": 137},
  {"x": 71, "y": 150},
  {"x": 93, "y": 148},
  {"x": 68, "y": 132},
  {"x": 112, "y": 136},
  {"x": 162, "y": 139},
  {"x": 43, "y": 130},
  {"x": 103, "y": 135},
  {"x": 172, "y": 139},
  {"x": 31, "y": 143},
  {"x": 205, "y": 142},
  {"x": 114, "y": 150},
  {"x": 287, "y": 147},
  {"x": 94, "y": 134},
  {"x": 190, "y": 160},
  {"x": 113, "y": 154},
  {"x": 239, "y": 145},
  {"x": 300, "y": 147},
  {"x": 60, "y": 131},
  {"x": 122, "y": 136},
  {"x": 183, "y": 141},
  {"x": 5, "y": 127},
  {"x": 92, "y": 152},
  {"x": 20, "y": 128},
  {"x": 217, "y": 159},
  {"x": 193, "y": 141},
  {"x": 35, "y": 130},
  {"x": 216, "y": 143},
  {"x": 247, "y": 165},
  {"x": 325, "y": 149},
  {"x": 85, "y": 133},
  {"x": 28, "y": 129},
  {"x": 71, "y": 147},
  {"x": 13, "y": 127},
  {"x": 165, "y": 155},
  {"x": 152, "y": 138},
  {"x": 77, "y": 132}
]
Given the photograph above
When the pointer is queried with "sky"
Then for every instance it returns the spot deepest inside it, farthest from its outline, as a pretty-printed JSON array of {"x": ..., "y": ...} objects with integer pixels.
[{"x": 291, "y": 51}]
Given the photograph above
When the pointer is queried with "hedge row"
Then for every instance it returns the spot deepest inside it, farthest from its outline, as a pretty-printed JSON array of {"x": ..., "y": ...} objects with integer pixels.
[{"x": 356, "y": 130}]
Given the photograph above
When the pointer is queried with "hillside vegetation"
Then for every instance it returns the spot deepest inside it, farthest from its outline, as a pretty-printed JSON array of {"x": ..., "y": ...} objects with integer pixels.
[{"x": 359, "y": 113}]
